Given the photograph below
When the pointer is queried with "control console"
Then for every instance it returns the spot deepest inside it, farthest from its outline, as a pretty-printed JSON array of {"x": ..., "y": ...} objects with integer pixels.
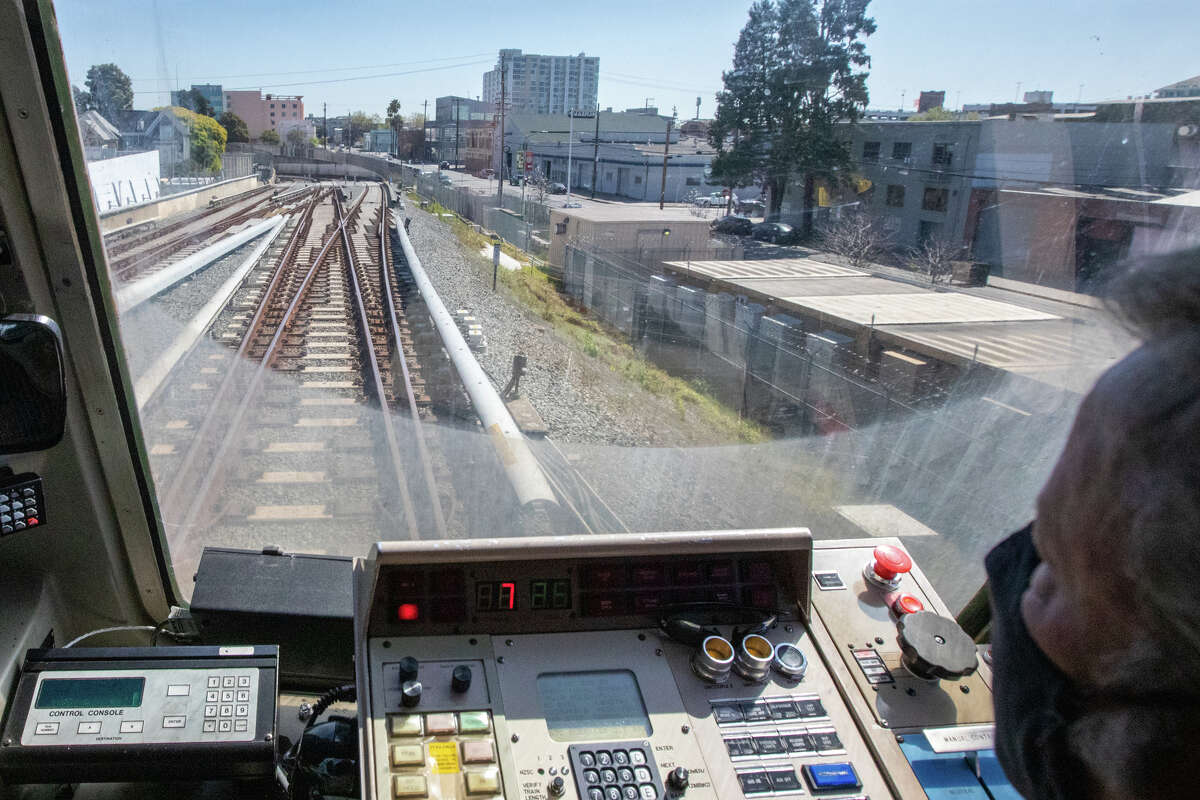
[
  {"x": 100, "y": 714},
  {"x": 603, "y": 668}
]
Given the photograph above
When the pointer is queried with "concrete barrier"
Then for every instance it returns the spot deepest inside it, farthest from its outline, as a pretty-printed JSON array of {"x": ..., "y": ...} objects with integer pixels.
[{"x": 169, "y": 205}]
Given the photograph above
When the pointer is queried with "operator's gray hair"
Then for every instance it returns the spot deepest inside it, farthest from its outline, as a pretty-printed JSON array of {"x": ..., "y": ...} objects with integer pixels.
[{"x": 1140, "y": 735}]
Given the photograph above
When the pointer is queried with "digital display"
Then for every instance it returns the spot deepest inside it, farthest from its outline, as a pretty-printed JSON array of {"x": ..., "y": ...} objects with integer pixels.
[
  {"x": 495, "y": 596},
  {"x": 552, "y": 594},
  {"x": 90, "y": 693},
  {"x": 591, "y": 706}
]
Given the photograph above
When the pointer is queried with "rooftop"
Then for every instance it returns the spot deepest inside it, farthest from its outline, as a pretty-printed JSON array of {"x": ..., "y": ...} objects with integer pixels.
[{"x": 1015, "y": 328}]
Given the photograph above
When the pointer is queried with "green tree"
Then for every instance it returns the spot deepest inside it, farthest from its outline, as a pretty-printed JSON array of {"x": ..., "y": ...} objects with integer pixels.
[
  {"x": 395, "y": 122},
  {"x": 206, "y": 138},
  {"x": 269, "y": 137},
  {"x": 110, "y": 90},
  {"x": 797, "y": 75},
  {"x": 194, "y": 100},
  {"x": 359, "y": 123},
  {"x": 83, "y": 100},
  {"x": 235, "y": 127},
  {"x": 938, "y": 114}
]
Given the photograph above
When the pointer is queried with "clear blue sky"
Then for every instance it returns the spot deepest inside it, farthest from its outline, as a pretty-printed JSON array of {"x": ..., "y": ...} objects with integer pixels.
[{"x": 669, "y": 51}]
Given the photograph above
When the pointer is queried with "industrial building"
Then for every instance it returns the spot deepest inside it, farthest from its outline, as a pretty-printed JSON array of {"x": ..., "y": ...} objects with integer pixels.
[
  {"x": 536, "y": 84},
  {"x": 627, "y": 152}
]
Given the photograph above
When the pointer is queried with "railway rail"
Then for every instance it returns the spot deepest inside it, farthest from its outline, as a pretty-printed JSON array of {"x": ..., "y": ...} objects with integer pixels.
[{"x": 310, "y": 403}]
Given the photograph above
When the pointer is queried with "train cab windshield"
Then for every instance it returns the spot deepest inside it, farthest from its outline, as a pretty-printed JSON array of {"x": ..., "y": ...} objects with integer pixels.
[{"x": 610, "y": 273}]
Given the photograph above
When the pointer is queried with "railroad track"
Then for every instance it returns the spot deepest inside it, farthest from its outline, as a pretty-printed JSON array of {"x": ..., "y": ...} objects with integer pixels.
[
  {"x": 314, "y": 413},
  {"x": 167, "y": 245}
]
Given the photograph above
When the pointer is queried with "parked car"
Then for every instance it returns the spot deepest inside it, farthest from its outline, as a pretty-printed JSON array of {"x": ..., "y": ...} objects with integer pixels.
[
  {"x": 714, "y": 200},
  {"x": 774, "y": 232},
  {"x": 487, "y": 174},
  {"x": 444, "y": 165},
  {"x": 515, "y": 180},
  {"x": 751, "y": 208},
  {"x": 733, "y": 223},
  {"x": 557, "y": 188},
  {"x": 444, "y": 179}
]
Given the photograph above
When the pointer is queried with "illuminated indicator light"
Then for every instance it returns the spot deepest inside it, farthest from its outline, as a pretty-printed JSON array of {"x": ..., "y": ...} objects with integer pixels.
[
  {"x": 409, "y": 612},
  {"x": 718, "y": 648},
  {"x": 508, "y": 594},
  {"x": 758, "y": 646},
  {"x": 32, "y": 521}
]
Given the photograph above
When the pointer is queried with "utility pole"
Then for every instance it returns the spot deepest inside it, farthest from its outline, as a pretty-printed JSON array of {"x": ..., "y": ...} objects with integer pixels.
[
  {"x": 457, "y": 119},
  {"x": 325, "y": 125},
  {"x": 500, "y": 172},
  {"x": 596, "y": 152},
  {"x": 662, "y": 196},
  {"x": 424, "y": 127}
]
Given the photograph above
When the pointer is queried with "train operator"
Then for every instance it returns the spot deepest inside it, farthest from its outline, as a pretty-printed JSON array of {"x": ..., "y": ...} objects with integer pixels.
[{"x": 1096, "y": 618}]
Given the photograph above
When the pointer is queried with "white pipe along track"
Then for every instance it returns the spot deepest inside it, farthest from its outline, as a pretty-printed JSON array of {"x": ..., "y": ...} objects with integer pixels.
[{"x": 520, "y": 465}]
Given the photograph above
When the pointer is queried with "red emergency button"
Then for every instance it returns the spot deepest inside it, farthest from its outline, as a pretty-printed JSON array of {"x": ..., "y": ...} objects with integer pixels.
[
  {"x": 31, "y": 521},
  {"x": 907, "y": 604},
  {"x": 890, "y": 561}
]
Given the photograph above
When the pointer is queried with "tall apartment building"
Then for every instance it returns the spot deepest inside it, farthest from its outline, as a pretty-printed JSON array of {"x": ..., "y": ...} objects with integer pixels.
[
  {"x": 264, "y": 112},
  {"x": 543, "y": 84}
]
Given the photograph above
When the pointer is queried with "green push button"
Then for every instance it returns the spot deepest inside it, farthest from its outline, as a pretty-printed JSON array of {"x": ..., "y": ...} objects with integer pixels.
[{"x": 474, "y": 722}]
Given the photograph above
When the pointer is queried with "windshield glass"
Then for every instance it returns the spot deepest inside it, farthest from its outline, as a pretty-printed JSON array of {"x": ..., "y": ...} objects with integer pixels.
[{"x": 548, "y": 270}]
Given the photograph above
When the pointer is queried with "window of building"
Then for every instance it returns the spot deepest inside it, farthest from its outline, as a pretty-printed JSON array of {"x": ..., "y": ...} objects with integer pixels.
[
  {"x": 693, "y": 181},
  {"x": 293, "y": 105},
  {"x": 901, "y": 150},
  {"x": 272, "y": 105},
  {"x": 895, "y": 195},
  {"x": 943, "y": 154},
  {"x": 637, "y": 179},
  {"x": 934, "y": 199},
  {"x": 870, "y": 151},
  {"x": 272, "y": 113},
  {"x": 927, "y": 230}
]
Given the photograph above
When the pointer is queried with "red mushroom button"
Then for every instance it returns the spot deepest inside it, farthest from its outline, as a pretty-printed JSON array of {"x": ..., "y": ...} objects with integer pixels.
[{"x": 891, "y": 561}]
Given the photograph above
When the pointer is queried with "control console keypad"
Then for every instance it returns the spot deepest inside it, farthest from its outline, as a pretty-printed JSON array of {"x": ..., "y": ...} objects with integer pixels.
[
  {"x": 427, "y": 749},
  {"x": 21, "y": 504},
  {"x": 615, "y": 771},
  {"x": 763, "y": 736}
]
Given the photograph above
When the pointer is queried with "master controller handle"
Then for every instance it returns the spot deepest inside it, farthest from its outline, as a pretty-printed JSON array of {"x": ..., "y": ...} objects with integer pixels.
[{"x": 933, "y": 646}]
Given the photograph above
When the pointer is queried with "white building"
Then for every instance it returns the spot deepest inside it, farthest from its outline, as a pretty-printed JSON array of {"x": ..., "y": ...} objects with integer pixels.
[{"x": 537, "y": 84}]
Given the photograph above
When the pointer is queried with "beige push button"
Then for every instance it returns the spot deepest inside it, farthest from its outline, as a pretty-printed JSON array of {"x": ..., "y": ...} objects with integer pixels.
[
  {"x": 440, "y": 724},
  {"x": 487, "y": 782},
  {"x": 405, "y": 755},
  {"x": 404, "y": 724},
  {"x": 409, "y": 786},
  {"x": 477, "y": 752}
]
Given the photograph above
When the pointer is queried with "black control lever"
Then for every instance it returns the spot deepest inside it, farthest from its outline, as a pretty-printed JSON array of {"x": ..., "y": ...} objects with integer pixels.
[{"x": 933, "y": 646}]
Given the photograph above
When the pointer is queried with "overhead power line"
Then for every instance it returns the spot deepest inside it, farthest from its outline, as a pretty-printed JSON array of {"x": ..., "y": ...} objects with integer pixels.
[{"x": 319, "y": 70}]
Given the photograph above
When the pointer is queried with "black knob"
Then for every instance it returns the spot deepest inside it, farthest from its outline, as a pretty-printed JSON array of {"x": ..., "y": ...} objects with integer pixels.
[
  {"x": 460, "y": 679},
  {"x": 677, "y": 780},
  {"x": 408, "y": 669},
  {"x": 933, "y": 646},
  {"x": 410, "y": 693},
  {"x": 557, "y": 787}
]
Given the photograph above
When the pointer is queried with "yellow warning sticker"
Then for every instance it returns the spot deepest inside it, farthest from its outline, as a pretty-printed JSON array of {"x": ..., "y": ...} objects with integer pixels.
[{"x": 445, "y": 756}]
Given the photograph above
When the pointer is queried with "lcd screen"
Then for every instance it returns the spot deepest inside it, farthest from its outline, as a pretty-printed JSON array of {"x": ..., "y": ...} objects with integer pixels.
[
  {"x": 90, "y": 693},
  {"x": 593, "y": 706}
]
